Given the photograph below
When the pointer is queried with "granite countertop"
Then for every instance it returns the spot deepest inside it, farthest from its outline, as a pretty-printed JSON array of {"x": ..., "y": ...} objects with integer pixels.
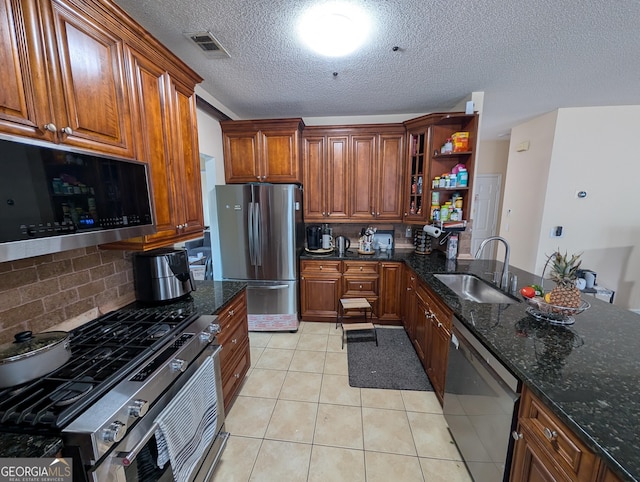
[
  {"x": 209, "y": 298},
  {"x": 587, "y": 373}
]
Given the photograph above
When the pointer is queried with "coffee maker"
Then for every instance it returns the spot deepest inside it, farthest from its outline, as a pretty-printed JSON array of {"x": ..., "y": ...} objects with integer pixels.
[{"x": 314, "y": 237}]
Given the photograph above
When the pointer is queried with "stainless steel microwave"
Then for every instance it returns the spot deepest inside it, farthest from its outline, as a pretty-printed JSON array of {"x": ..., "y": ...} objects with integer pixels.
[{"x": 54, "y": 200}]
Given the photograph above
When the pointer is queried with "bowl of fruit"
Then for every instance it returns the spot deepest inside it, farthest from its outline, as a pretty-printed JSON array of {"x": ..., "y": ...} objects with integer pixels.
[{"x": 563, "y": 302}]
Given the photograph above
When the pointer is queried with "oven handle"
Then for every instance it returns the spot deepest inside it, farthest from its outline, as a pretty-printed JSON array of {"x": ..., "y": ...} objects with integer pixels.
[{"x": 127, "y": 459}]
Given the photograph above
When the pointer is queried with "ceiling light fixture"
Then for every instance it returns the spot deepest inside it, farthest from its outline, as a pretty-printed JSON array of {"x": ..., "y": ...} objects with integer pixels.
[{"x": 334, "y": 29}]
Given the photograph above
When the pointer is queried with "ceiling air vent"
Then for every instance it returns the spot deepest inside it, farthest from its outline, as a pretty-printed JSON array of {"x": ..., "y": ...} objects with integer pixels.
[{"x": 208, "y": 44}]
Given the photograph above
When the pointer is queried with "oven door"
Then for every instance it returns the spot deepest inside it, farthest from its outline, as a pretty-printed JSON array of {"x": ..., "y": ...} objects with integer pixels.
[{"x": 134, "y": 457}]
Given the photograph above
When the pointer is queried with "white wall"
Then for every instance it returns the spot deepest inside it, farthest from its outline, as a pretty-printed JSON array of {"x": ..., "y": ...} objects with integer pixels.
[{"x": 585, "y": 149}]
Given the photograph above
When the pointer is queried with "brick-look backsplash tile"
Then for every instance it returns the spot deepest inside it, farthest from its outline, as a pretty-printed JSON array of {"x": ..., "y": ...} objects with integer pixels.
[
  {"x": 74, "y": 279},
  {"x": 37, "y": 293},
  {"x": 18, "y": 278},
  {"x": 54, "y": 269}
]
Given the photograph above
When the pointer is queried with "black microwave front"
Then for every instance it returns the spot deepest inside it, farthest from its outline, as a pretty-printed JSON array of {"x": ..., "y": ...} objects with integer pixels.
[{"x": 53, "y": 200}]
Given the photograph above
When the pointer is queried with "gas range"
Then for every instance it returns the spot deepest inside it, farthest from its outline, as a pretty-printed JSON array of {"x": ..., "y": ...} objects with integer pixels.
[{"x": 123, "y": 365}]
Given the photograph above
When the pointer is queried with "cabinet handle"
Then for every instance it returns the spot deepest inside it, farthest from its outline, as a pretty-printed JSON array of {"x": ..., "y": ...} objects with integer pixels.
[
  {"x": 237, "y": 375},
  {"x": 360, "y": 268},
  {"x": 66, "y": 130},
  {"x": 516, "y": 436},
  {"x": 231, "y": 312},
  {"x": 439, "y": 325},
  {"x": 51, "y": 127},
  {"x": 185, "y": 225},
  {"x": 373, "y": 213},
  {"x": 320, "y": 266},
  {"x": 179, "y": 227},
  {"x": 377, "y": 214},
  {"x": 405, "y": 214},
  {"x": 550, "y": 434},
  {"x": 412, "y": 278},
  {"x": 360, "y": 286},
  {"x": 258, "y": 177},
  {"x": 235, "y": 340},
  {"x": 408, "y": 289},
  {"x": 323, "y": 213}
]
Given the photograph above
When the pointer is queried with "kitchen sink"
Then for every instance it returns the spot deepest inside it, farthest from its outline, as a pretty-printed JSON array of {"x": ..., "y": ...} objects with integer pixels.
[{"x": 475, "y": 289}]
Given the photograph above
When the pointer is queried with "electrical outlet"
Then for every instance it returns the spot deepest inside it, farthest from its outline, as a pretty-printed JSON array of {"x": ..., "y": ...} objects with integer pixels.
[
  {"x": 407, "y": 233},
  {"x": 556, "y": 232}
]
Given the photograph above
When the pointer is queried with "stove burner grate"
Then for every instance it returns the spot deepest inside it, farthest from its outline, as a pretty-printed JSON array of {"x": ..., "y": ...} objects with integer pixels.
[{"x": 72, "y": 392}]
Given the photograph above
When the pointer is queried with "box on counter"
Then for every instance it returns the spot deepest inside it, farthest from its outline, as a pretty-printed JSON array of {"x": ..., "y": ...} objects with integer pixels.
[
  {"x": 460, "y": 141},
  {"x": 197, "y": 271}
]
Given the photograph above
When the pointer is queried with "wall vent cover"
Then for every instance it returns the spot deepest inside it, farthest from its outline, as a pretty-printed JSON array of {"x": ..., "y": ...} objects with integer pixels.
[{"x": 208, "y": 44}]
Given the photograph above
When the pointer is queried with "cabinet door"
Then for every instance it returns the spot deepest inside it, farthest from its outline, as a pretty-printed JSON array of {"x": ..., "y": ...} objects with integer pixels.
[
  {"x": 241, "y": 157},
  {"x": 186, "y": 163},
  {"x": 438, "y": 339},
  {"x": 390, "y": 291},
  {"x": 280, "y": 157},
  {"x": 530, "y": 463},
  {"x": 319, "y": 297},
  {"x": 409, "y": 302},
  {"x": 390, "y": 168},
  {"x": 152, "y": 93},
  {"x": 362, "y": 171},
  {"x": 421, "y": 332},
  {"x": 315, "y": 176},
  {"x": 24, "y": 102},
  {"x": 90, "y": 95},
  {"x": 337, "y": 177}
]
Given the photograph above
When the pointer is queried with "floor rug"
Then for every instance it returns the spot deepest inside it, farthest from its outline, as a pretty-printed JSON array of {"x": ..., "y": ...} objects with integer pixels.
[{"x": 393, "y": 364}]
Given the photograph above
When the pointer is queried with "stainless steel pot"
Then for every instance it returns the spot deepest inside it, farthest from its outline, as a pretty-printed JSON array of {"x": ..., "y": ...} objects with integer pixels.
[{"x": 31, "y": 356}]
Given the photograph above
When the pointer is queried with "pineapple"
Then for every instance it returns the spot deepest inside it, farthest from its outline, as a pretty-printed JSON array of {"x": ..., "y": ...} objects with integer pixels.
[{"x": 563, "y": 273}]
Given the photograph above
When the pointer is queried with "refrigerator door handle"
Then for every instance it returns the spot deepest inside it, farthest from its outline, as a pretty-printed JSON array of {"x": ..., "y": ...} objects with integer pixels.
[
  {"x": 257, "y": 237},
  {"x": 250, "y": 233},
  {"x": 273, "y": 287}
]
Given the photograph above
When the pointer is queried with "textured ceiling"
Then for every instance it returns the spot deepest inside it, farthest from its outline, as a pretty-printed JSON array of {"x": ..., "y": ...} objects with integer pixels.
[{"x": 528, "y": 57}]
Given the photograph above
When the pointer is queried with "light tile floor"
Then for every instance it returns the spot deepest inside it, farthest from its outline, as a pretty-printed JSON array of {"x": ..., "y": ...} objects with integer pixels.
[{"x": 297, "y": 419}]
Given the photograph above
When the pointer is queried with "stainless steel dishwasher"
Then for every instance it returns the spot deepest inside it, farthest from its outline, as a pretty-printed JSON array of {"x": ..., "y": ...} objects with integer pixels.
[{"x": 480, "y": 406}]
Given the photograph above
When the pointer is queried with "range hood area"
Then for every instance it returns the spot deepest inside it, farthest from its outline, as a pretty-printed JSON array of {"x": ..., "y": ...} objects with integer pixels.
[{"x": 54, "y": 200}]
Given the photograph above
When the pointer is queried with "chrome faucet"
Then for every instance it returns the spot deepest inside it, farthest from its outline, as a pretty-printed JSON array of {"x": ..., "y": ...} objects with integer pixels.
[{"x": 504, "y": 283}]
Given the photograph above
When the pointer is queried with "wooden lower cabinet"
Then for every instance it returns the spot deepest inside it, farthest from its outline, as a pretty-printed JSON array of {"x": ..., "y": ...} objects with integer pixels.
[
  {"x": 324, "y": 283},
  {"x": 433, "y": 332},
  {"x": 235, "y": 357},
  {"x": 320, "y": 288},
  {"x": 547, "y": 450},
  {"x": 408, "y": 302}
]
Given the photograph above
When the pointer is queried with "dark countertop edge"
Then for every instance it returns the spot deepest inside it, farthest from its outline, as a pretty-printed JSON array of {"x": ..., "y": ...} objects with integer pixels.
[
  {"x": 41, "y": 446},
  {"x": 437, "y": 259}
]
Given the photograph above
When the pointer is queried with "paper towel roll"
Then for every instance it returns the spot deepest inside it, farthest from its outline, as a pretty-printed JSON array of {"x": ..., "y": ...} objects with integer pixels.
[{"x": 432, "y": 230}]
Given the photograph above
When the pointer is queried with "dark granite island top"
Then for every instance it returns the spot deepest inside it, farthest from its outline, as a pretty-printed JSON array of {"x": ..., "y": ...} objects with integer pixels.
[{"x": 587, "y": 373}]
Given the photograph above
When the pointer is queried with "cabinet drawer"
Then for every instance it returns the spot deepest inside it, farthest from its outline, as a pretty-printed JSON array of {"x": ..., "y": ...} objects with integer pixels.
[
  {"x": 230, "y": 314},
  {"x": 231, "y": 341},
  {"x": 556, "y": 438},
  {"x": 355, "y": 268},
  {"x": 360, "y": 287},
  {"x": 315, "y": 268}
]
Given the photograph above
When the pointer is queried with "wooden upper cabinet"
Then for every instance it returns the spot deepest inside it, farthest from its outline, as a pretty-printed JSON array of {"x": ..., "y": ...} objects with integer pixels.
[
  {"x": 354, "y": 173},
  {"x": 241, "y": 156},
  {"x": 63, "y": 72},
  {"x": 363, "y": 172},
  {"x": 262, "y": 150},
  {"x": 165, "y": 109},
  {"x": 337, "y": 178},
  {"x": 24, "y": 96},
  {"x": 390, "y": 175}
]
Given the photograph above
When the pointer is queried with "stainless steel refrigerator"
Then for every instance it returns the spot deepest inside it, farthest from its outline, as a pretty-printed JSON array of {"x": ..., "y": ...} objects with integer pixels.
[{"x": 261, "y": 235}]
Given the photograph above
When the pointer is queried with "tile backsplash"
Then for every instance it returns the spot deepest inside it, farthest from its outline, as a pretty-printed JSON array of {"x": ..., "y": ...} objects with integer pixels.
[{"x": 38, "y": 293}]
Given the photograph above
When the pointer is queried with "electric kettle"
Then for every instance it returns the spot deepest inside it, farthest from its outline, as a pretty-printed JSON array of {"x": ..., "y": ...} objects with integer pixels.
[{"x": 342, "y": 243}]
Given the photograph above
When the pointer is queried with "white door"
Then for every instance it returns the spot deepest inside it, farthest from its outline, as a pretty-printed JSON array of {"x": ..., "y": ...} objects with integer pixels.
[{"x": 486, "y": 199}]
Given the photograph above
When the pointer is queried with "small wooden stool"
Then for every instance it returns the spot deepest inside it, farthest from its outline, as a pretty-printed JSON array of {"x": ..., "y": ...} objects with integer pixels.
[{"x": 356, "y": 304}]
